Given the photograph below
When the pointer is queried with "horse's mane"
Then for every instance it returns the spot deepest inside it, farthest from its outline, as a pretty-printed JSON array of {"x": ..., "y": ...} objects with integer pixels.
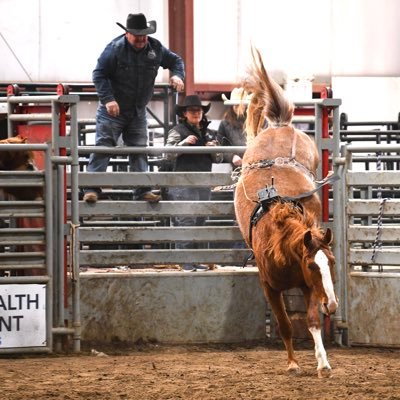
[
  {"x": 287, "y": 225},
  {"x": 268, "y": 100}
]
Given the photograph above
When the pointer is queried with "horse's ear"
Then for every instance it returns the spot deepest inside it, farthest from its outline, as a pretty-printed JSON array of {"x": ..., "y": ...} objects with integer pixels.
[
  {"x": 307, "y": 240},
  {"x": 328, "y": 237}
]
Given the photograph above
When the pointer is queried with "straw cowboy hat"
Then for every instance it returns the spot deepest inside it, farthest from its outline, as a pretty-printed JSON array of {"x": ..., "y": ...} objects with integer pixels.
[
  {"x": 138, "y": 25},
  {"x": 191, "y": 101},
  {"x": 238, "y": 96}
]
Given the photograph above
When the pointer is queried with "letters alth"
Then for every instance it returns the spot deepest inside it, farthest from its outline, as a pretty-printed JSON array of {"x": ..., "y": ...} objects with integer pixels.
[{"x": 19, "y": 302}]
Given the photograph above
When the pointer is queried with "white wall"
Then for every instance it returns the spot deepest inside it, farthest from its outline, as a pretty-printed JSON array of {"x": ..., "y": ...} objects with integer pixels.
[
  {"x": 323, "y": 38},
  {"x": 368, "y": 98},
  {"x": 60, "y": 41},
  {"x": 51, "y": 40}
]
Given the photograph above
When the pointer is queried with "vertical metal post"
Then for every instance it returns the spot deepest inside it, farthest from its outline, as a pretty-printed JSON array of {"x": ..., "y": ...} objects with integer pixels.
[
  {"x": 10, "y": 126},
  {"x": 166, "y": 112},
  {"x": 59, "y": 215},
  {"x": 339, "y": 234},
  {"x": 75, "y": 228},
  {"x": 318, "y": 134},
  {"x": 49, "y": 245}
]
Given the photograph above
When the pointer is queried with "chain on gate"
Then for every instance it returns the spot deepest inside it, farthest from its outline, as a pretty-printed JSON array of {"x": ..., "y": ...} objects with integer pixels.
[{"x": 377, "y": 245}]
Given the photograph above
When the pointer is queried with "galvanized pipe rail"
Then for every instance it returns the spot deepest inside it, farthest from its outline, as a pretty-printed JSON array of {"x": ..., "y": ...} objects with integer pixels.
[
  {"x": 370, "y": 182},
  {"x": 330, "y": 144},
  {"x": 17, "y": 261},
  {"x": 54, "y": 197}
]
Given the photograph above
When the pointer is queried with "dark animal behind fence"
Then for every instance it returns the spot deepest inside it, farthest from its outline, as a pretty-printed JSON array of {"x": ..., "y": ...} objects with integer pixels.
[
  {"x": 21, "y": 160},
  {"x": 17, "y": 160}
]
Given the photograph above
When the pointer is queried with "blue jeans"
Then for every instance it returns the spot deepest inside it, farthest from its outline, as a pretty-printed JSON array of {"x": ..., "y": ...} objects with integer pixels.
[{"x": 132, "y": 126}]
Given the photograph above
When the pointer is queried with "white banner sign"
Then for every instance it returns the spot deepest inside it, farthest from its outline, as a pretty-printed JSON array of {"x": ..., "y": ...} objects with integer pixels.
[{"x": 22, "y": 316}]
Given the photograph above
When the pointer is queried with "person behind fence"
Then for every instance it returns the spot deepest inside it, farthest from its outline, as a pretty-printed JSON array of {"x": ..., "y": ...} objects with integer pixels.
[
  {"x": 124, "y": 79},
  {"x": 192, "y": 130},
  {"x": 231, "y": 129}
]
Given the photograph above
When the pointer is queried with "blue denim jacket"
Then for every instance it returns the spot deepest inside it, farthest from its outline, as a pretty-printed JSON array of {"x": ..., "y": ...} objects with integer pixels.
[{"x": 127, "y": 76}]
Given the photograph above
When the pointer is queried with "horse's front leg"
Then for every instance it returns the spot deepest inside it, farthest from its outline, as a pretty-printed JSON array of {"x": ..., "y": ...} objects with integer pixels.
[
  {"x": 323, "y": 369},
  {"x": 285, "y": 326}
]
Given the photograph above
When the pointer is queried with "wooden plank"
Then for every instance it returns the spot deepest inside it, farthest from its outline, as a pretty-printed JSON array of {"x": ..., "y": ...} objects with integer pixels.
[
  {"x": 181, "y": 256},
  {"x": 373, "y": 178},
  {"x": 359, "y": 233},
  {"x": 388, "y": 256},
  {"x": 163, "y": 208},
  {"x": 358, "y": 207},
  {"x": 152, "y": 179},
  {"x": 158, "y": 234}
]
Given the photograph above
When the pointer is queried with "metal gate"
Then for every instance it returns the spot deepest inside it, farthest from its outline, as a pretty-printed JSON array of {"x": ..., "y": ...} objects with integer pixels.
[
  {"x": 138, "y": 234},
  {"x": 370, "y": 209},
  {"x": 34, "y": 311}
]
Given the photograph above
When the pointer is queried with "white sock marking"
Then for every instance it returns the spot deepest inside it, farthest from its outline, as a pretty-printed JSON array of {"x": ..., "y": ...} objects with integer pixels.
[{"x": 320, "y": 353}]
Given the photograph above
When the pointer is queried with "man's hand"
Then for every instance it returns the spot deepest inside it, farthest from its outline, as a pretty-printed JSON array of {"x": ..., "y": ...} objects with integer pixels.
[
  {"x": 113, "y": 108},
  {"x": 177, "y": 83}
]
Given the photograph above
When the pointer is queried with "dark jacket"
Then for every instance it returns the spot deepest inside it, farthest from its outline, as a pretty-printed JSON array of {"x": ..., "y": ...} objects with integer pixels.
[
  {"x": 229, "y": 135},
  {"x": 191, "y": 162},
  {"x": 127, "y": 76}
]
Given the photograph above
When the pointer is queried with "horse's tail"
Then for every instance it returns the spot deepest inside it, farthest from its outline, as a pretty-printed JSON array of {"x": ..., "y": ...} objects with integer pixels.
[{"x": 268, "y": 100}]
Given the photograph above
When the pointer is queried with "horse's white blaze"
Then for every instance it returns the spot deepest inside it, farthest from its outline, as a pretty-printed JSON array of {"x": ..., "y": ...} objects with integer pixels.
[
  {"x": 320, "y": 353},
  {"x": 322, "y": 260}
]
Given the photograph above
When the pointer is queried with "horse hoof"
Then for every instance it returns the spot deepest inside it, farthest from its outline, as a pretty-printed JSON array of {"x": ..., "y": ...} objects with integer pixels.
[
  {"x": 325, "y": 372},
  {"x": 293, "y": 369}
]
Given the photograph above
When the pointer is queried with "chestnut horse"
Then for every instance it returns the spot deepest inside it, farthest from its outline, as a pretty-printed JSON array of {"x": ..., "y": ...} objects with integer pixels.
[
  {"x": 22, "y": 160},
  {"x": 278, "y": 212}
]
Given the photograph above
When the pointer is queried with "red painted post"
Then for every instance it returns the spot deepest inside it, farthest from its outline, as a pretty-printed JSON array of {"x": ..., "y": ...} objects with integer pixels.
[
  {"x": 61, "y": 90},
  {"x": 325, "y": 158},
  {"x": 325, "y": 192}
]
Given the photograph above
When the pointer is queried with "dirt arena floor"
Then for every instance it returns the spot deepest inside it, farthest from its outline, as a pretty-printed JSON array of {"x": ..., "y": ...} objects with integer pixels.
[{"x": 199, "y": 372}]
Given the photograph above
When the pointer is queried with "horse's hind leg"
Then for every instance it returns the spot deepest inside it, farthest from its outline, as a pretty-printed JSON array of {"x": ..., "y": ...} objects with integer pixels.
[
  {"x": 285, "y": 326},
  {"x": 324, "y": 369}
]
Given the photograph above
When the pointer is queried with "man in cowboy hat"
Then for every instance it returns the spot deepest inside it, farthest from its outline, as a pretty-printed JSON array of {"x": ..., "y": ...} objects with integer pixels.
[
  {"x": 192, "y": 130},
  {"x": 124, "y": 79}
]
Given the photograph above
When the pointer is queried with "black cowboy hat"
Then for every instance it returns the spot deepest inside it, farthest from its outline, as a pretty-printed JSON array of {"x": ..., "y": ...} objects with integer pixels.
[
  {"x": 138, "y": 25},
  {"x": 191, "y": 101}
]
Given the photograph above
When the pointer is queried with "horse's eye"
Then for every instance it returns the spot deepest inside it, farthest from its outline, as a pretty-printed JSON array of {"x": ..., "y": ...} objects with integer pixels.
[{"x": 313, "y": 266}]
